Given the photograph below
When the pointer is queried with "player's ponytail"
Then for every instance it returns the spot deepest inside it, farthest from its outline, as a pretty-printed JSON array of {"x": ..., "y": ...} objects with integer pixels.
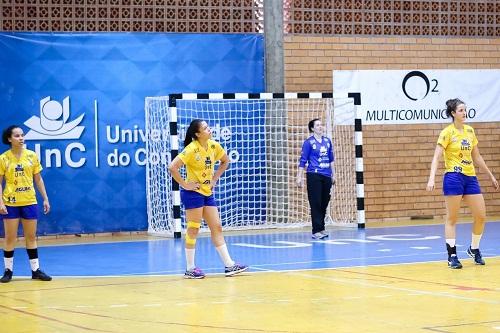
[
  {"x": 451, "y": 106},
  {"x": 193, "y": 128},
  {"x": 310, "y": 126}
]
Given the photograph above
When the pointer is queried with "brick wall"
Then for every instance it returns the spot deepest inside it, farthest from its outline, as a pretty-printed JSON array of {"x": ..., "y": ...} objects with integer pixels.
[{"x": 396, "y": 175}]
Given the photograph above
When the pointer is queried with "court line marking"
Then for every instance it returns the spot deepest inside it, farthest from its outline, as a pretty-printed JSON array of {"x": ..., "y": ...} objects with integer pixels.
[
  {"x": 485, "y": 252},
  {"x": 437, "y": 328},
  {"x": 217, "y": 328},
  {"x": 55, "y": 320},
  {"x": 414, "y": 292},
  {"x": 460, "y": 287},
  {"x": 408, "y": 290},
  {"x": 181, "y": 275}
]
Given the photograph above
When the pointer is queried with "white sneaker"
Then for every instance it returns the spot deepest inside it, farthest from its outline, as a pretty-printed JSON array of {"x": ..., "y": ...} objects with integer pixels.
[{"x": 318, "y": 235}]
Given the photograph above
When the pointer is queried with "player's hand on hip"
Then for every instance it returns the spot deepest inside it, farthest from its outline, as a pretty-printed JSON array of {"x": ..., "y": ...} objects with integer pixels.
[
  {"x": 3, "y": 209},
  {"x": 192, "y": 186}
]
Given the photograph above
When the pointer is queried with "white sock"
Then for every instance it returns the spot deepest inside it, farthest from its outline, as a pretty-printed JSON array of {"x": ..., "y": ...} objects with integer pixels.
[
  {"x": 224, "y": 255},
  {"x": 8, "y": 263},
  {"x": 450, "y": 242},
  {"x": 475, "y": 241},
  {"x": 34, "y": 264},
  {"x": 190, "y": 259}
]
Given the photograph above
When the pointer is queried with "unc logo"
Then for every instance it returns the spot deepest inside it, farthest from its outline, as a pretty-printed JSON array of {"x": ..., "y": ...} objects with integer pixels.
[
  {"x": 323, "y": 151},
  {"x": 52, "y": 123}
]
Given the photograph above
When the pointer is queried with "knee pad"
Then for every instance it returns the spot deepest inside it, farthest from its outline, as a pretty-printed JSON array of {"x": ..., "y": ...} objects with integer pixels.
[
  {"x": 190, "y": 240},
  {"x": 194, "y": 225}
]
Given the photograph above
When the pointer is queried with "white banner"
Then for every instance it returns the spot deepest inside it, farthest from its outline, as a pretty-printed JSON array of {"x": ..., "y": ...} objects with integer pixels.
[{"x": 419, "y": 96}]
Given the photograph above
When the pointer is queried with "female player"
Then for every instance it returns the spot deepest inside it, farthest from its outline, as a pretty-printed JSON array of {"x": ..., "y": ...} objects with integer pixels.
[
  {"x": 317, "y": 153},
  {"x": 458, "y": 144},
  {"x": 199, "y": 156},
  {"x": 19, "y": 167}
]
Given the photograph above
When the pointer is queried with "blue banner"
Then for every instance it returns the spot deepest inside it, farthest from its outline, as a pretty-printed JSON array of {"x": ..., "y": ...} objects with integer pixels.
[{"x": 80, "y": 101}]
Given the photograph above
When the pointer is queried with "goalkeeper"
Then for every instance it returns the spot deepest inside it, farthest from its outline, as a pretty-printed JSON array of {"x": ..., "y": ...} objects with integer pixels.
[
  {"x": 317, "y": 153},
  {"x": 199, "y": 156}
]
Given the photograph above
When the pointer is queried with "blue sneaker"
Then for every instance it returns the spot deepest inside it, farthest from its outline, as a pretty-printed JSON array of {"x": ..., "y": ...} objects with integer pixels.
[
  {"x": 476, "y": 255},
  {"x": 453, "y": 262},
  {"x": 194, "y": 273},
  {"x": 235, "y": 269}
]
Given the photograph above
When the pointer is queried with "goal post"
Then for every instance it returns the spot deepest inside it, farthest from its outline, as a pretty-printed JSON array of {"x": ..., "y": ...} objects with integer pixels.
[{"x": 262, "y": 134}]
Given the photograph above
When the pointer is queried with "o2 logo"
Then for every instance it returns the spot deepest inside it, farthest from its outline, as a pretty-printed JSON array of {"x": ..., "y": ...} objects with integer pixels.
[{"x": 416, "y": 85}]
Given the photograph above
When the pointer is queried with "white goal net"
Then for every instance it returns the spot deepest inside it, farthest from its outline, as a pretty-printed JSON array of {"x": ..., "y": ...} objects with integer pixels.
[{"x": 263, "y": 139}]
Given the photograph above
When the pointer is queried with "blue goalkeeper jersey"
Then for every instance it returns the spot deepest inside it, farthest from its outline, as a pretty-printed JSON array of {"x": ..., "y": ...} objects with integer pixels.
[{"x": 318, "y": 155}]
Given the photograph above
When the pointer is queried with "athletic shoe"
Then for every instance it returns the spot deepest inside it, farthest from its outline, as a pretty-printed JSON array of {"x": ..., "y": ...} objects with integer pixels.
[
  {"x": 325, "y": 234},
  {"x": 453, "y": 262},
  {"x": 194, "y": 273},
  {"x": 7, "y": 276},
  {"x": 476, "y": 254},
  {"x": 235, "y": 269},
  {"x": 40, "y": 275},
  {"x": 318, "y": 235}
]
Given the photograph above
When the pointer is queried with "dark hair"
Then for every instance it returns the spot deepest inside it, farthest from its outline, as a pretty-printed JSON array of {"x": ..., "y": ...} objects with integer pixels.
[
  {"x": 7, "y": 133},
  {"x": 311, "y": 124},
  {"x": 451, "y": 106},
  {"x": 194, "y": 127}
]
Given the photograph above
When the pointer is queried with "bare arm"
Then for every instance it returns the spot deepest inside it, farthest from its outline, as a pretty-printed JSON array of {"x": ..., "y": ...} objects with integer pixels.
[
  {"x": 300, "y": 173},
  {"x": 173, "y": 168},
  {"x": 224, "y": 164},
  {"x": 479, "y": 161},
  {"x": 3, "y": 209},
  {"x": 434, "y": 165},
  {"x": 41, "y": 188}
]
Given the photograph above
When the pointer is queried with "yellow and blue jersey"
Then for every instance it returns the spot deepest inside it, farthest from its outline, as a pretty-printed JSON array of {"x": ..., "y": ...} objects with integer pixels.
[
  {"x": 458, "y": 147},
  {"x": 18, "y": 174},
  {"x": 200, "y": 163}
]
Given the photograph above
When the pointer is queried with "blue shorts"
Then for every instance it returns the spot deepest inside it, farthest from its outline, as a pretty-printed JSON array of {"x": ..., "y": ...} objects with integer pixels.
[
  {"x": 456, "y": 183},
  {"x": 25, "y": 212},
  {"x": 192, "y": 199}
]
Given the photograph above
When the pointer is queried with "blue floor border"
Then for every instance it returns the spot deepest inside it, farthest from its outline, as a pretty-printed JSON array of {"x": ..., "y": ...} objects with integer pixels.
[{"x": 263, "y": 251}]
